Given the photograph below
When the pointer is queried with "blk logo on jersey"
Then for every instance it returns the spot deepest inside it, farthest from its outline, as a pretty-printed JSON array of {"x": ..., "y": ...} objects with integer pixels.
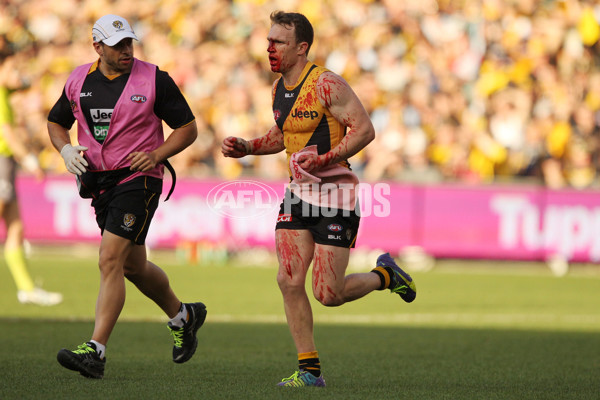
[{"x": 101, "y": 114}]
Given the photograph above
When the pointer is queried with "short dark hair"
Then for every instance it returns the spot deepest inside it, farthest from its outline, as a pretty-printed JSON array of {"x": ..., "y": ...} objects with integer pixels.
[{"x": 303, "y": 29}]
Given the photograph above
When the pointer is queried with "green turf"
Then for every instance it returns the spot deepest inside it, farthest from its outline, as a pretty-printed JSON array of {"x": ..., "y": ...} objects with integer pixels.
[{"x": 494, "y": 331}]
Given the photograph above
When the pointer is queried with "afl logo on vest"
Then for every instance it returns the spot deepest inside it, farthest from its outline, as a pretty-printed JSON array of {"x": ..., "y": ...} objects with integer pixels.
[{"x": 138, "y": 98}]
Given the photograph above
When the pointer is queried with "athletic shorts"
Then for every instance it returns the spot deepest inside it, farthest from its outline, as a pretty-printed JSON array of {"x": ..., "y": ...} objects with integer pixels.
[
  {"x": 8, "y": 170},
  {"x": 127, "y": 209},
  {"x": 328, "y": 226}
]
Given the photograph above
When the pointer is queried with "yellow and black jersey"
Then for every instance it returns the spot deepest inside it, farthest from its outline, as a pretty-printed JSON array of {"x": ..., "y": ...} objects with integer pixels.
[
  {"x": 6, "y": 118},
  {"x": 302, "y": 118}
]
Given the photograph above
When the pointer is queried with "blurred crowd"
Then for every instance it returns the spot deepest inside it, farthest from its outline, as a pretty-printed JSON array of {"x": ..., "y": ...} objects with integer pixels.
[{"x": 466, "y": 91}]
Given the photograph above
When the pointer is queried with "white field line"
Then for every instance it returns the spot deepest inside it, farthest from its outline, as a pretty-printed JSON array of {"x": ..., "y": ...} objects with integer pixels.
[
  {"x": 429, "y": 319},
  {"x": 575, "y": 321}
]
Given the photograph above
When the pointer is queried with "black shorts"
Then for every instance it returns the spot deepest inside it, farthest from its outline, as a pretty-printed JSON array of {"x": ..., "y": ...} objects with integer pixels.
[
  {"x": 8, "y": 170},
  {"x": 333, "y": 227},
  {"x": 127, "y": 209}
]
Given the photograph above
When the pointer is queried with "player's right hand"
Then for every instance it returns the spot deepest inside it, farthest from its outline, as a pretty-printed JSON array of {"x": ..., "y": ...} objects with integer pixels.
[
  {"x": 74, "y": 160},
  {"x": 235, "y": 147}
]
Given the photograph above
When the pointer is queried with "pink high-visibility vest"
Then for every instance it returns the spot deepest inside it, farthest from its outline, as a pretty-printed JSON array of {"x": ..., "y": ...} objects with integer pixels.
[{"x": 133, "y": 125}]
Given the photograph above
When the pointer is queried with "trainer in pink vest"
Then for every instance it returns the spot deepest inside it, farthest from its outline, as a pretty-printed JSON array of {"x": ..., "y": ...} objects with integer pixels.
[{"x": 133, "y": 125}]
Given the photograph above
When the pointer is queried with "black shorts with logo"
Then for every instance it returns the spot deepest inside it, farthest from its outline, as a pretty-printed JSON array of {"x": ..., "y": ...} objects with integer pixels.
[
  {"x": 333, "y": 227},
  {"x": 127, "y": 209}
]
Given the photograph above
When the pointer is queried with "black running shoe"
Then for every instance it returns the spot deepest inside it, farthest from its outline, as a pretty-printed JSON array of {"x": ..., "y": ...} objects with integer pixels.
[
  {"x": 185, "y": 341},
  {"x": 85, "y": 360}
]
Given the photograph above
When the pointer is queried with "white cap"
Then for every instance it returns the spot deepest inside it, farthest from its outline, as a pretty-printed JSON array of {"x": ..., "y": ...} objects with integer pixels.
[{"x": 111, "y": 29}]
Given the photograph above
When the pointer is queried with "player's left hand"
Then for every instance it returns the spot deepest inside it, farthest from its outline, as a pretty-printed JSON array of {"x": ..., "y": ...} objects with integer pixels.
[
  {"x": 309, "y": 161},
  {"x": 142, "y": 161}
]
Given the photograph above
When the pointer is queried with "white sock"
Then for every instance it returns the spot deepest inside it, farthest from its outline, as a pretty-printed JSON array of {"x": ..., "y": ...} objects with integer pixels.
[
  {"x": 181, "y": 318},
  {"x": 100, "y": 348}
]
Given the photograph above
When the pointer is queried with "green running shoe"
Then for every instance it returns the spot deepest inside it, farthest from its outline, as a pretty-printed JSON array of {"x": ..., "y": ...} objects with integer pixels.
[
  {"x": 85, "y": 360},
  {"x": 184, "y": 338},
  {"x": 302, "y": 378},
  {"x": 400, "y": 282}
]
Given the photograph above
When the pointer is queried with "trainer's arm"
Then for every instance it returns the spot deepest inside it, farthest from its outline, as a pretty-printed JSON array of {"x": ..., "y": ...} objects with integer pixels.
[
  {"x": 270, "y": 143},
  {"x": 59, "y": 135},
  {"x": 338, "y": 97},
  {"x": 177, "y": 141}
]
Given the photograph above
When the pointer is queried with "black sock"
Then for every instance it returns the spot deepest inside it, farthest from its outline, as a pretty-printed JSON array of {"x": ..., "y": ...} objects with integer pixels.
[
  {"x": 384, "y": 275},
  {"x": 310, "y": 362}
]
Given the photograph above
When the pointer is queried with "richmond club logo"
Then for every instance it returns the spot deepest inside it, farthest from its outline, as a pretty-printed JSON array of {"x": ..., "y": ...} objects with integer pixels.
[{"x": 128, "y": 220}]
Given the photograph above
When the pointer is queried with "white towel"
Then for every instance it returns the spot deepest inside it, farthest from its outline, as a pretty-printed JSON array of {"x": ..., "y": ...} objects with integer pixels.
[{"x": 309, "y": 186}]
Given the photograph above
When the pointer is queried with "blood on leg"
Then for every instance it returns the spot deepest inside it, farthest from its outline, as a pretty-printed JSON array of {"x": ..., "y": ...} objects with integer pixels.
[
  {"x": 329, "y": 269},
  {"x": 294, "y": 251}
]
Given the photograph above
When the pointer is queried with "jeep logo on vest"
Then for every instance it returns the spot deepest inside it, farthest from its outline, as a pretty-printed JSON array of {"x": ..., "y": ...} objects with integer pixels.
[
  {"x": 296, "y": 113},
  {"x": 101, "y": 114}
]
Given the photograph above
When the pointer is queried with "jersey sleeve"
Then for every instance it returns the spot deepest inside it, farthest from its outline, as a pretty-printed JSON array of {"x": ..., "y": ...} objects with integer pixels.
[
  {"x": 170, "y": 105},
  {"x": 61, "y": 112}
]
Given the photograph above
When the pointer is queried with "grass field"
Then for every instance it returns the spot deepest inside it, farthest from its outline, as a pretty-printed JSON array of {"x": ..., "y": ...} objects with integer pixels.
[{"x": 485, "y": 330}]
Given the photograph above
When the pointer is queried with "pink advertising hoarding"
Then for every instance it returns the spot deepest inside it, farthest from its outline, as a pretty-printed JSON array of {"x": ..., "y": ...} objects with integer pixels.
[{"x": 495, "y": 222}]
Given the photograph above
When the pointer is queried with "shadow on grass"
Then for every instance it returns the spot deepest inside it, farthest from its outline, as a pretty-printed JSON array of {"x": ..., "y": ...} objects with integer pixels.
[{"x": 245, "y": 361}]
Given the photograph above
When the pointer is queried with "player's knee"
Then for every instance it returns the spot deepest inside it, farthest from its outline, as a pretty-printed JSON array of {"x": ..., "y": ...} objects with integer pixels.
[
  {"x": 328, "y": 298},
  {"x": 289, "y": 282},
  {"x": 135, "y": 270},
  {"x": 105, "y": 262},
  {"x": 330, "y": 301},
  {"x": 129, "y": 272},
  {"x": 109, "y": 263}
]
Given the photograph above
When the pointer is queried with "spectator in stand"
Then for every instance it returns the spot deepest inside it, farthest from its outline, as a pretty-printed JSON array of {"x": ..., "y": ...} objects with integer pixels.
[{"x": 451, "y": 59}]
